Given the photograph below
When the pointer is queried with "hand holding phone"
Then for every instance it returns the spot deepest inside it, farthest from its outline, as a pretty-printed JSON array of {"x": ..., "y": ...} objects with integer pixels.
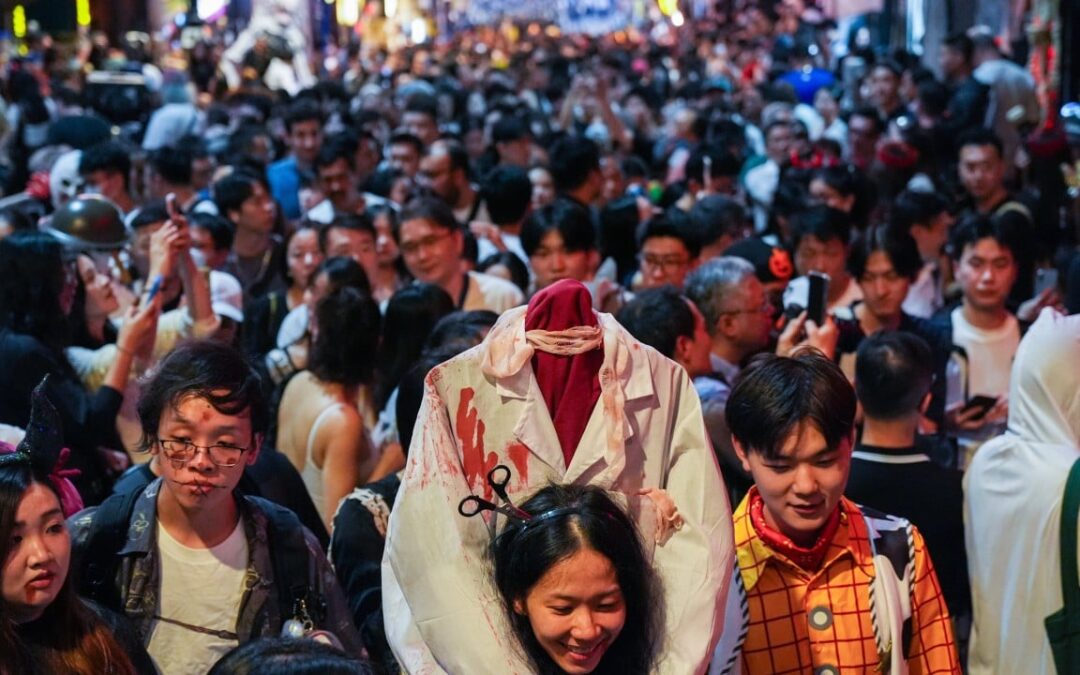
[{"x": 981, "y": 404}]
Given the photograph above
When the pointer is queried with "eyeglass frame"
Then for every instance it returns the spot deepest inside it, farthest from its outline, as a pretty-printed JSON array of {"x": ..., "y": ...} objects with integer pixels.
[
  {"x": 429, "y": 242},
  {"x": 195, "y": 448},
  {"x": 766, "y": 307}
]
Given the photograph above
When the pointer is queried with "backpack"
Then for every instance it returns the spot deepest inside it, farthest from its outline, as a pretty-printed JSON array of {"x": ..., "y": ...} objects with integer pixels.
[{"x": 288, "y": 556}]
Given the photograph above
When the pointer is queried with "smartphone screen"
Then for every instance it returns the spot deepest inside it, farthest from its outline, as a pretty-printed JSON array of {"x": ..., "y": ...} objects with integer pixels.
[
  {"x": 817, "y": 299},
  {"x": 1045, "y": 278}
]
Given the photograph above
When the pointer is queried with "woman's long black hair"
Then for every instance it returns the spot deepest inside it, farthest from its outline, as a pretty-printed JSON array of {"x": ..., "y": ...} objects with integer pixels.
[
  {"x": 30, "y": 287},
  {"x": 524, "y": 552}
]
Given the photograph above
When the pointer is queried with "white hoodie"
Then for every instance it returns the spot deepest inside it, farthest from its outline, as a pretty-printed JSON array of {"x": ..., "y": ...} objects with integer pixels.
[{"x": 1012, "y": 503}]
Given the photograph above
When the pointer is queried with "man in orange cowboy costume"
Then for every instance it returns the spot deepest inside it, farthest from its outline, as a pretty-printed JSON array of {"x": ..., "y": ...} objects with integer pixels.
[{"x": 822, "y": 585}]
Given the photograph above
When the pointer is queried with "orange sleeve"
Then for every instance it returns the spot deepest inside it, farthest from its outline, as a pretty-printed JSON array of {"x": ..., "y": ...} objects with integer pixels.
[{"x": 933, "y": 647}]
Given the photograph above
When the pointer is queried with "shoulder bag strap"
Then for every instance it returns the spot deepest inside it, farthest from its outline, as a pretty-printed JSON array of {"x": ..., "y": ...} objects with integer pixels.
[{"x": 1070, "y": 583}]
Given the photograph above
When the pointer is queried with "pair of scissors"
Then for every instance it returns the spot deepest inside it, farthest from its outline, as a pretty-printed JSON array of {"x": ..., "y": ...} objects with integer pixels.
[{"x": 498, "y": 478}]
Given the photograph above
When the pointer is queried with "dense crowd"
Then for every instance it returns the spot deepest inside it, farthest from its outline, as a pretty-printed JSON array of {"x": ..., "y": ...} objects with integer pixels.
[{"x": 730, "y": 348}]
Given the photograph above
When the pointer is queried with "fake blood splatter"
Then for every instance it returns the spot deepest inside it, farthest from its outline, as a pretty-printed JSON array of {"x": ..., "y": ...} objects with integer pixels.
[
  {"x": 470, "y": 432},
  {"x": 519, "y": 456}
]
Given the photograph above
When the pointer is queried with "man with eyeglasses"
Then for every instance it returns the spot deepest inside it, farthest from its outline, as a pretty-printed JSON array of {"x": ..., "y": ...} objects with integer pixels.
[
  {"x": 668, "y": 251},
  {"x": 432, "y": 246},
  {"x": 201, "y": 568}
]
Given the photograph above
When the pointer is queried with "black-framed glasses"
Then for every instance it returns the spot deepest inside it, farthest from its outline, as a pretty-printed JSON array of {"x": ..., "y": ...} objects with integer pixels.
[{"x": 224, "y": 455}]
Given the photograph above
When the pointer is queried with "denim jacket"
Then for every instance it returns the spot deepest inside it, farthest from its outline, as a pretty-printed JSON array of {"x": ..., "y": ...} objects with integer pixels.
[{"x": 138, "y": 574}]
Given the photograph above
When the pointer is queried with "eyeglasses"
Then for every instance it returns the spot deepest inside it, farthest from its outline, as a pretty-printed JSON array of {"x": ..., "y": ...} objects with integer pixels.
[
  {"x": 220, "y": 454},
  {"x": 411, "y": 248},
  {"x": 665, "y": 263},
  {"x": 766, "y": 307}
]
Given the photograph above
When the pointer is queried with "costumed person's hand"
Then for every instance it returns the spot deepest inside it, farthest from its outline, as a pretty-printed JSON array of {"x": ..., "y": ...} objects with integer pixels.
[{"x": 139, "y": 329}]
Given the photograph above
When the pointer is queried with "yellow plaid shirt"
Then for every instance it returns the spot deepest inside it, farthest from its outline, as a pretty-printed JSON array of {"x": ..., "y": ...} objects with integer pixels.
[{"x": 820, "y": 622}]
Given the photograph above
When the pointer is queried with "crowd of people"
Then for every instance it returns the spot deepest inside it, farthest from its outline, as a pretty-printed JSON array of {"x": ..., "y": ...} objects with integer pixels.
[{"x": 728, "y": 348}]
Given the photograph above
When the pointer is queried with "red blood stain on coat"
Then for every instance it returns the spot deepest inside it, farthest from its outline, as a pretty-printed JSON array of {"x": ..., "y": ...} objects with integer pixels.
[
  {"x": 470, "y": 432},
  {"x": 519, "y": 456}
]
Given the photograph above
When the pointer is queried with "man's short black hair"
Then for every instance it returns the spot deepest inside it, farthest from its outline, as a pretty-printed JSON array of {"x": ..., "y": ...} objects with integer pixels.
[
  {"x": 172, "y": 164},
  {"x": 221, "y": 230},
  {"x": 869, "y": 113},
  {"x": 360, "y": 222},
  {"x": 657, "y": 317},
  {"x": 150, "y": 213},
  {"x": 915, "y": 207},
  {"x": 723, "y": 163},
  {"x": 900, "y": 247},
  {"x": 405, "y": 138},
  {"x": 303, "y": 110},
  {"x": 509, "y": 128},
  {"x": 207, "y": 369},
  {"x": 960, "y": 42},
  {"x": 821, "y": 222},
  {"x": 424, "y": 104},
  {"x": 674, "y": 223},
  {"x": 775, "y": 395},
  {"x": 571, "y": 161},
  {"x": 109, "y": 156},
  {"x": 232, "y": 191},
  {"x": 893, "y": 373},
  {"x": 506, "y": 191},
  {"x": 571, "y": 219},
  {"x": 975, "y": 226},
  {"x": 334, "y": 149},
  {"x": 455, "y": 150},
  {"x": 716, "y": 216},
  {"x": 432, "y": 209},
  {"x": 980, "y": 137}
]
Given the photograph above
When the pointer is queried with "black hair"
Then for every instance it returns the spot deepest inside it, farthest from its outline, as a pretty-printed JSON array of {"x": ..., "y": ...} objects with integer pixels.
[
  {"x": 933, "y": 97},
  {"x": 78, "y": 330},
  {"x": 715, "y": 216},
  {"x": 509, "y": 128},
  {"x": 172, "y": 164},
  {"x": 424, "y": 104},
  {"x": 206, "y": 369},
  {"x": 775, "y": 395},
  {"x": 821, "y": 222},
  {"x": 287, "y": 656},
  {"x": 232, "y": 191},
  {"x": 30, "y": 288},
  {"x": 579, "y": 517},
  {"x": 634, "y": 167},
  {"x": 150, "y": 213},
  {"x": 572, "y": 220},
  {"x": 915, "y": 207},
  {"x": 893, "y": 373},
  {"x": 890, "y": 65},
  {"x": 432, "y": 209},
  {"x": 459, "y": 157},
  {"x": 723, "y": 163},
  {"x": 302, "y": 110},
  {"x": 674, "y": 223},
  {"x": 869, "y": 113},
  {"x": 341, "y": 271},
  {"x": 411, "y": 388},
  {"x": 658, "y": 317},
  {"x": 571, "y": 160},
  {"x": 461, "y": 328},
  {"x": 348, "y": 335},
  {"x": 221, "y": 230},
  {"x": 900, "y": 247},
  {"x": 974, "y": 226},
  {"x": 109, "y": 156},
  {"x": 960, "y": 42},
  {"x": 359, "y": 222},
  {"x": 506, "y": 191},
  {"x": 410, "y": 317},
  {"x": 849, "y": 180},
  {"x": 980, "y": 137},
  {"x": 519, "y": 272},
  {"x": 332, "y": 150},
  {"x": 400, "y": 137}
]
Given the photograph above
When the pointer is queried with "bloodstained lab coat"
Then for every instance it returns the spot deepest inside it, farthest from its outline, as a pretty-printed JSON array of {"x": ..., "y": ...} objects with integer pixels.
[
  {"x": 442, "y": 611},
  {"x": 1013, "y": 494}
]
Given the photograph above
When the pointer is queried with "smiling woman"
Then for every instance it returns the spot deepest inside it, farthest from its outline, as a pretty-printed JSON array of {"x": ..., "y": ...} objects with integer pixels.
[{"x": 580, "y": 594}]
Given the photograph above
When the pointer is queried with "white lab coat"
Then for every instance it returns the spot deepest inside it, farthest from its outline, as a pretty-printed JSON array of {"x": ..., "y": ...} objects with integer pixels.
[
  {"x": 442, "y": 612},
  {"x": 1012, "y": 501}
]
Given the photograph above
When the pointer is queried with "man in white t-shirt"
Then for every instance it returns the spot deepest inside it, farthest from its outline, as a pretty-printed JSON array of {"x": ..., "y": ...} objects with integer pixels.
[{"x": 200, "y": 569}]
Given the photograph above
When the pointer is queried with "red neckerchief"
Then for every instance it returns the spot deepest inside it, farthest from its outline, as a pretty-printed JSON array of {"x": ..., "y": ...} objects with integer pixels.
[
  {"x": 809, "y": 559},
  {"x": 570, "y": 384}
]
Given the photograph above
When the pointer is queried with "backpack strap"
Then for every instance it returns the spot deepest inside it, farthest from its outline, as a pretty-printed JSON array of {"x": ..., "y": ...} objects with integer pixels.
[
  {"x": 108, "y": 533},
  {"x": 292, "y": 565}
]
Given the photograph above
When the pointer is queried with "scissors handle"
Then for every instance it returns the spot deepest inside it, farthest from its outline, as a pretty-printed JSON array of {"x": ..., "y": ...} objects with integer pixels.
[
  {"x": 472, "y": 505},
  {"x": 498, "y": 479}
]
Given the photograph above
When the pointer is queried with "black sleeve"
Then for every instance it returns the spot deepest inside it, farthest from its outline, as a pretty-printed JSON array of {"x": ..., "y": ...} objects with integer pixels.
[
  {"x": 262, "y": 319},
  {"x": 356, "y": 551}
]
